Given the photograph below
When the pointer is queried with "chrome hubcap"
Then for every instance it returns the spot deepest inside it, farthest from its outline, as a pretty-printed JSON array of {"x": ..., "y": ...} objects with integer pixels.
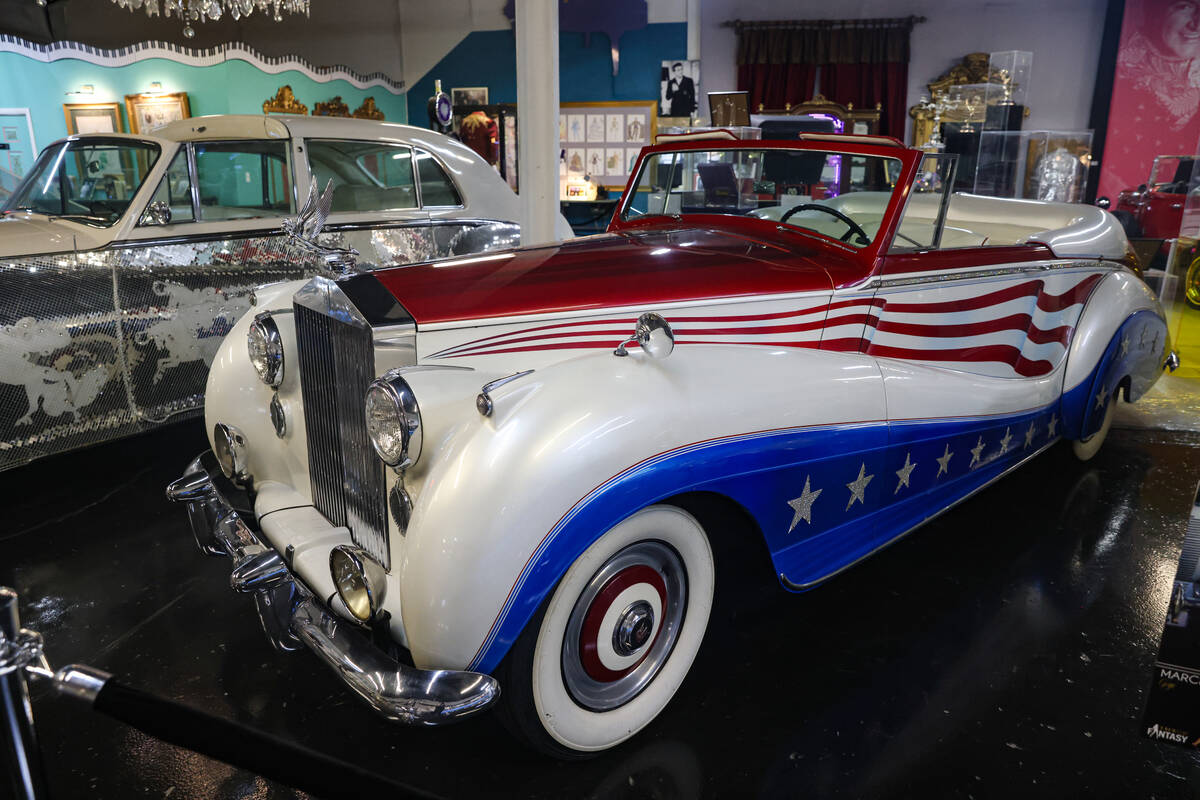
[
  {"x": 624, "y": 625},
  {"x": 633, "y": 629}
]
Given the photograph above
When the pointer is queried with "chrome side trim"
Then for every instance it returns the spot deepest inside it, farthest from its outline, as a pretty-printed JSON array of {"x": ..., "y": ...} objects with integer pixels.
[
  {"x": 291, "y": 615},
  {"x": 944, "y": 277},
  {"x": 798, "y": 587}
]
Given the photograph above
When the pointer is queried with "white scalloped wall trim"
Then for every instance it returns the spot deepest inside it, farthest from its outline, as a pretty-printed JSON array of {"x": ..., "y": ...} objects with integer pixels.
[{"x": 195, "y": 58}]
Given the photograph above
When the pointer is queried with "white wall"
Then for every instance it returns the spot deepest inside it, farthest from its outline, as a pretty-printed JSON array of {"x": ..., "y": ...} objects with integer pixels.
[{"x": 1064, "y": 37}]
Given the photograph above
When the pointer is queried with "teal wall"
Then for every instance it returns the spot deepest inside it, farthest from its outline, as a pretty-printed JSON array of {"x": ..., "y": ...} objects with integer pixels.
[
  {"x": 489, "y": 58},
  {"x": 231, "y": 87}
]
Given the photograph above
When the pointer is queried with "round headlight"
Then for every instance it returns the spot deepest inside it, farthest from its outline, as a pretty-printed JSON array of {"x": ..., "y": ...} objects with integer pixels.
[
  {"x": 360, "y": 580},
  {"x": 393, "y": 420},
  {"x": 265, "y": 348}
]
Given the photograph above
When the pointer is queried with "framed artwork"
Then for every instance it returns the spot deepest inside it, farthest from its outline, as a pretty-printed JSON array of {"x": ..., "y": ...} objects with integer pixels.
[
  {"x": 469, "y": 96},
  {"x": 601, "y": 139},
  {"x": 146, "y": 112},
  {"x": 93, "y": 118},
  {"x": 677, "y": 88},
  {"x": 729, "y": 108}
]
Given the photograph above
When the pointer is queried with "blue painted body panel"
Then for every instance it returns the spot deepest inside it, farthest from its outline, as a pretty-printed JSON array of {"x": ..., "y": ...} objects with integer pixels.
[{"x": 1144, "y": 335}]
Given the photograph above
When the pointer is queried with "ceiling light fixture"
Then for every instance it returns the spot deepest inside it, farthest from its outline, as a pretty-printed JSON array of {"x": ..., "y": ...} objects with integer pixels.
[{"x": 190, "y": 11}]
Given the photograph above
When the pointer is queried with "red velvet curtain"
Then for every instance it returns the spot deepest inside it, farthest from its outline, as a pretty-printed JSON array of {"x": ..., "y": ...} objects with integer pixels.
[{"x": 862, "y": 62}]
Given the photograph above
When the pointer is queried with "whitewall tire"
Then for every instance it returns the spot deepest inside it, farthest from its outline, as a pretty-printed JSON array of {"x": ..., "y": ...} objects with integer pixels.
[
  {"x": 1085, "y": 449},
  {"x": 617, "y": 636}
]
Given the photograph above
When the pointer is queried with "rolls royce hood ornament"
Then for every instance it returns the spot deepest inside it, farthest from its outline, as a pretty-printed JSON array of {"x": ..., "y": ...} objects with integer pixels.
[{"x": 305, "y": 228}]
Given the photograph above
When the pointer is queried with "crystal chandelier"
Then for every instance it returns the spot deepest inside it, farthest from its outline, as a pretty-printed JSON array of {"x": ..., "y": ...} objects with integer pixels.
[{"x": 190, "y": 11}]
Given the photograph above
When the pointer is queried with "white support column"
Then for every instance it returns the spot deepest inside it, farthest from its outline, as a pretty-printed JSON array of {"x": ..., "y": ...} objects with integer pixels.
[
  {"x": 693, "y": 31},
  {"x": 693, "y": 54},
  {"x": 537, "y": 118}
]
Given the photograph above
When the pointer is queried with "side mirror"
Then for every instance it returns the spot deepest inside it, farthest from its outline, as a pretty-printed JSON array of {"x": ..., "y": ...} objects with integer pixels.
[
  {"x": 1103, "y": 202},
  {"x": 653, "y": 334},
  {"x": 156, "y": 213}
]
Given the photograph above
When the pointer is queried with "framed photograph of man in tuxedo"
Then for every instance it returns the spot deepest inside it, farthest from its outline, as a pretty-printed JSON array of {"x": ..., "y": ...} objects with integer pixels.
[{"x": 677, "y": 93}]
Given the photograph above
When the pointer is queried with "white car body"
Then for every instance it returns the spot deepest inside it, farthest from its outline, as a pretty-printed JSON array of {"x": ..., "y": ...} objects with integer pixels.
[{"x": 838, "y": 397}]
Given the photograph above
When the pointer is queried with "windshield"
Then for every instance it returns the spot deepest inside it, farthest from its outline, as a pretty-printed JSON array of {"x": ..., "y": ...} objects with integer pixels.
[
  {"x": 1171, "y": 174},
  {"x": 840, "y": 195},
  {"x": 91, "y": 179}
]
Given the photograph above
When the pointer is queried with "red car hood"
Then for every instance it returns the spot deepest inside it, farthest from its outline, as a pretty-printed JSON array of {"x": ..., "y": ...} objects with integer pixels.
[{"x": 630, "y": 268}]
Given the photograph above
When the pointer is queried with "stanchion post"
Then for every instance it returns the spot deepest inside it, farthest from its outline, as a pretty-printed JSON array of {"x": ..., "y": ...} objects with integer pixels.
[{"x": 21, "y": 754}]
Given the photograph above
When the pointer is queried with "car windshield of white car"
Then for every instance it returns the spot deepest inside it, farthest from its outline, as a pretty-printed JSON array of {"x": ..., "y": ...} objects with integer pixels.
[
  {"x": 91, "y": 179},
  {"x": 839, "y": 195}
]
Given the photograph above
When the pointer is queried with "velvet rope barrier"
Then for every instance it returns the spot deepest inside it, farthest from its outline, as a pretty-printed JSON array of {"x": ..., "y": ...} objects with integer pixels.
[{"x": 244, "y": 747}]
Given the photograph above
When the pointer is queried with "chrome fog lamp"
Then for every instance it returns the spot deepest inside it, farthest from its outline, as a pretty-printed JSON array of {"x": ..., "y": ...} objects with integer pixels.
[
  {"x": 393, "y": 420},
  {"x": 265, "y": 348},
  {"x": 229, "y": 445},
  {"x": 360, "y": 580}
]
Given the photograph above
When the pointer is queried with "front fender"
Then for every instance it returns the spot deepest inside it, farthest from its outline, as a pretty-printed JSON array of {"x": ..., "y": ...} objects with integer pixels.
[
  {"x": 506, "y": 503},
  {"x": 235, "y": 395}
]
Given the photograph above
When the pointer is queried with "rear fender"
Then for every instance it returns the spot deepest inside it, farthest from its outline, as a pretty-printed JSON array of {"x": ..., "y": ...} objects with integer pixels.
[{"x": 1121, "y": 334}]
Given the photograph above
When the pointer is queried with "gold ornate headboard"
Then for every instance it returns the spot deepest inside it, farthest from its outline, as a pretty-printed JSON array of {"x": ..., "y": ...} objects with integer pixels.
[
  {"x": 284, "y": 102},
  {"x": 331, "y": 108},
  {"x": 368, "y": 110},
  {"x": 854, "y": 118}
]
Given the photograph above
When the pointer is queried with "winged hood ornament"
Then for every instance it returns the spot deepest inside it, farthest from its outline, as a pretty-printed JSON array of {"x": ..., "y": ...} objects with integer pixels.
[{"x": 306, "y": 227}]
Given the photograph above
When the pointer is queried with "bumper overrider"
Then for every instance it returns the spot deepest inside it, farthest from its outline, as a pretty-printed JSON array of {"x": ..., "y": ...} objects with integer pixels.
[{"x": 292, "y": 616}]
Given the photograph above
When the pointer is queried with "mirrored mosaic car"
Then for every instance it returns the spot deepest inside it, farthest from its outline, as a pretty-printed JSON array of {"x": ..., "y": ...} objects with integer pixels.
[
  {"x": 124, "y": 260},
  {"x": 507, "y": 472}
]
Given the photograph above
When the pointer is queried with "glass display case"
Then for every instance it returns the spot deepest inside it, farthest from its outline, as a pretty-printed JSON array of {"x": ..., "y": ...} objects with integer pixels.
[
  {"x": 1035, "y": 165},
  {"x": 1009, "y": 73}
]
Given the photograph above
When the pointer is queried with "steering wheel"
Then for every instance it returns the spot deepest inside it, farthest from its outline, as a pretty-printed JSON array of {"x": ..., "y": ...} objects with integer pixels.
[{"x": 855, "y": 228}]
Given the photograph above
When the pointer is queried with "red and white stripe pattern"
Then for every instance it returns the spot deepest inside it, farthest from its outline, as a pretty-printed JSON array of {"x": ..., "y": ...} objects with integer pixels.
[
  {"x": 797, "y": 323},
  {"x": 1021, "y": 329}
]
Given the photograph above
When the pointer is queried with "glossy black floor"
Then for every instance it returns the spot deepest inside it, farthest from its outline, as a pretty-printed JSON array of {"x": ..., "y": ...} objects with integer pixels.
[{"x": 1003, "y": 650}]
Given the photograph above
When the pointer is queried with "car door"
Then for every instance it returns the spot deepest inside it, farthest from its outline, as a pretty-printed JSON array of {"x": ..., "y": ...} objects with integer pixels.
[
  {"x": 971, "y": 332},
  {"x": 184, "y": 278}
]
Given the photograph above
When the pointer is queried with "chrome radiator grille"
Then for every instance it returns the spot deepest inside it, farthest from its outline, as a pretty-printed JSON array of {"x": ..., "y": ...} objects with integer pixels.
[{"x": 337, "y": 364}]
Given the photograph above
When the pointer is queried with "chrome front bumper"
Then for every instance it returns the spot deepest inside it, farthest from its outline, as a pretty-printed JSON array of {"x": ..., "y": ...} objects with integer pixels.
[{"x": 291, "y": 616}]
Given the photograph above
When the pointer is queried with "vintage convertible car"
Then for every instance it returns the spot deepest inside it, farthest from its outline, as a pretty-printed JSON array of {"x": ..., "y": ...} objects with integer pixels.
[
  {"x": 125, "y": 259},
  {"x": 500, "y": 470},
  {"x": 1154, "y": 210}
]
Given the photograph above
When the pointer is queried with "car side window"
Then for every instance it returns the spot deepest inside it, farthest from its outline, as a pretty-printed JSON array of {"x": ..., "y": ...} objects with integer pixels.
[
  {"x": 175, "y": 189},
  {"x": 243, "y": 180},
  {"x": 367, "y": 176},
  {"x": 436, "y": 187}
]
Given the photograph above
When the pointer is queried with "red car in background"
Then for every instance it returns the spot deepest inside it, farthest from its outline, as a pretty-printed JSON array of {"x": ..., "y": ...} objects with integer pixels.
[{"x": 1154, "y": 210}]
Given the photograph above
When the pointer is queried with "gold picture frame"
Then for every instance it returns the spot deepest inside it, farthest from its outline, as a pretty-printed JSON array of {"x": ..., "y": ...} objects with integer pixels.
[
  {"x": 146, "y": 112},
  {"x": 284, "y": 102},
  {"x": 93, "y": 118}
]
